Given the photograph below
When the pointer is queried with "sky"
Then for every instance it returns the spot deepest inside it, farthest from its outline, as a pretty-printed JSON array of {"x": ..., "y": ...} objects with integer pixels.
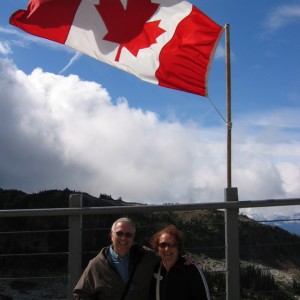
[{"x": 70, "y": 121}]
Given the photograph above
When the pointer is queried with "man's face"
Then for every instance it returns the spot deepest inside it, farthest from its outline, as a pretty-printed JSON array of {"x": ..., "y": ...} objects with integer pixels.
[{"x": 122, "y": 238}]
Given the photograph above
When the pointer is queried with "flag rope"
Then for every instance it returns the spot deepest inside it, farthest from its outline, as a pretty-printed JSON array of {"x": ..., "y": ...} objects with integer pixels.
[{"x": 217, "y": 110}]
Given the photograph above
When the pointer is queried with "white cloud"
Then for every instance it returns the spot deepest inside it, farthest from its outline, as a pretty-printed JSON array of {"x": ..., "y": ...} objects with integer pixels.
[
  {"x": 5, "y": 48},
  {"x": 282, "y": 16},
  {"x": 59, "y": 132},
  {"x": 220, "y": 52}
]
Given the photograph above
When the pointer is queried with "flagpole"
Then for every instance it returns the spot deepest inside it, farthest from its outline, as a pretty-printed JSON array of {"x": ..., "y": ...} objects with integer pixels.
[
  {"x": 231, "y": 194},
  {"x": 228, "y": 104}
]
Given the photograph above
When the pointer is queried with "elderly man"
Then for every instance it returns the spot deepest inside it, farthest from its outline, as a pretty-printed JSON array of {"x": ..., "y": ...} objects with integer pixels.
[{"x": 120, "y": 271}]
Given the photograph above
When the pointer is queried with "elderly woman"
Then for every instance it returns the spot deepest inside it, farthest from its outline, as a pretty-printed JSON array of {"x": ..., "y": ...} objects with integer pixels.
[{"x": 172, "y": 278}]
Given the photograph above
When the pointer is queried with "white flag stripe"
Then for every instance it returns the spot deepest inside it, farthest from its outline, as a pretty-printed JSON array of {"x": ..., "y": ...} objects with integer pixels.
[{"x": 88, "y": 29}]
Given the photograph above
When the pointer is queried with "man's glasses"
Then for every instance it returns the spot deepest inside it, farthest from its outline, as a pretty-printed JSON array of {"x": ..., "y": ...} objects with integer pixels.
[
  {"x": 164, "y": 245},
  {"x": 121, "y": 234}
]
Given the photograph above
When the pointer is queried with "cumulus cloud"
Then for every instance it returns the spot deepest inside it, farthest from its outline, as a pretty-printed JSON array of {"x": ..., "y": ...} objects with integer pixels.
[{"x": 59, "y": 132}]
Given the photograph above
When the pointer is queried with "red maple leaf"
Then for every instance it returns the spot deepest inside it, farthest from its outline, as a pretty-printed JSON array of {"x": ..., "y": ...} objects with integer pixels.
[
  {"x": 144, "y": 40},
  {"x": 128, "y": 26}
]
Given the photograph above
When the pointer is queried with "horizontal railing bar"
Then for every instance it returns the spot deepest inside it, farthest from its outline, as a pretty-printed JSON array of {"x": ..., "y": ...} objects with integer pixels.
[
  {"x": 141, "y": 227},
  {"x": 269, "y": 244},
  {"x": 146, "y": 208},
  {"x": 26, "y": 278},
  {"x": 277, "y": 220},
  {"x": 34, "y": 231},
  {"x": 33, "y": 254}
]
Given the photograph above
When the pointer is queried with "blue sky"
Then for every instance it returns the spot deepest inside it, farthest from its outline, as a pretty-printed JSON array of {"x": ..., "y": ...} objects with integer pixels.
[{"x": 67, "y": 120}]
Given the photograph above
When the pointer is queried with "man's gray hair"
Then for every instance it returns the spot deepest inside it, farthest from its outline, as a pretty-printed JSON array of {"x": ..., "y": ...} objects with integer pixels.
[{"x": 123, "y": 220}]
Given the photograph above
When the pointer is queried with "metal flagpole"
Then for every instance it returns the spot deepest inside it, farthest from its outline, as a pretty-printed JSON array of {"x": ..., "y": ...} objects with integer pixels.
[
  {"x": 228, "y": 104},
  {"x": 231, "y": 194}
]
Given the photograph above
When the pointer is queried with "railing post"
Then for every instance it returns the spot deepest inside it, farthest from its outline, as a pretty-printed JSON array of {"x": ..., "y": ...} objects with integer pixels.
[
  {"x": 75, "y": 245},
  {"x": 232, "y": 247}
]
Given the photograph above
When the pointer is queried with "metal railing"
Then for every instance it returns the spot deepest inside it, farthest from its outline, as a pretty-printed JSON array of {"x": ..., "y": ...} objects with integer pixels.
[{"x": 76, "y": 212}]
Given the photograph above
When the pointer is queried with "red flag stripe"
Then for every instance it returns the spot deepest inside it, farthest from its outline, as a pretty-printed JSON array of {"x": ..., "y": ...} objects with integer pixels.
[
  {"x": 47, "y": 19},
  {"x": 185, "y": 59}
]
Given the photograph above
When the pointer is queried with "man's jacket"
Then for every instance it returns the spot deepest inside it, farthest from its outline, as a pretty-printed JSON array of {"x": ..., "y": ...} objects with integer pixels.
[{"x": 101, "y": 281}]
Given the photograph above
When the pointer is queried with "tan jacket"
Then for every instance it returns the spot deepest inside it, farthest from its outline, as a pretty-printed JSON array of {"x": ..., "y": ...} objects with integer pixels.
[{"x": 100, "y": 280}]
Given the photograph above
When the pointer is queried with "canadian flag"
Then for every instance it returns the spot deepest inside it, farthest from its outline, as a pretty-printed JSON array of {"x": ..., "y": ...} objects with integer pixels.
[{"x": 166, "y": 42}]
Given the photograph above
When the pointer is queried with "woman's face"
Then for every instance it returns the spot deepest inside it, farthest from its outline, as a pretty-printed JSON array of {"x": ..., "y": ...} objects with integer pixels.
[{"x": 168, "y": 249}]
